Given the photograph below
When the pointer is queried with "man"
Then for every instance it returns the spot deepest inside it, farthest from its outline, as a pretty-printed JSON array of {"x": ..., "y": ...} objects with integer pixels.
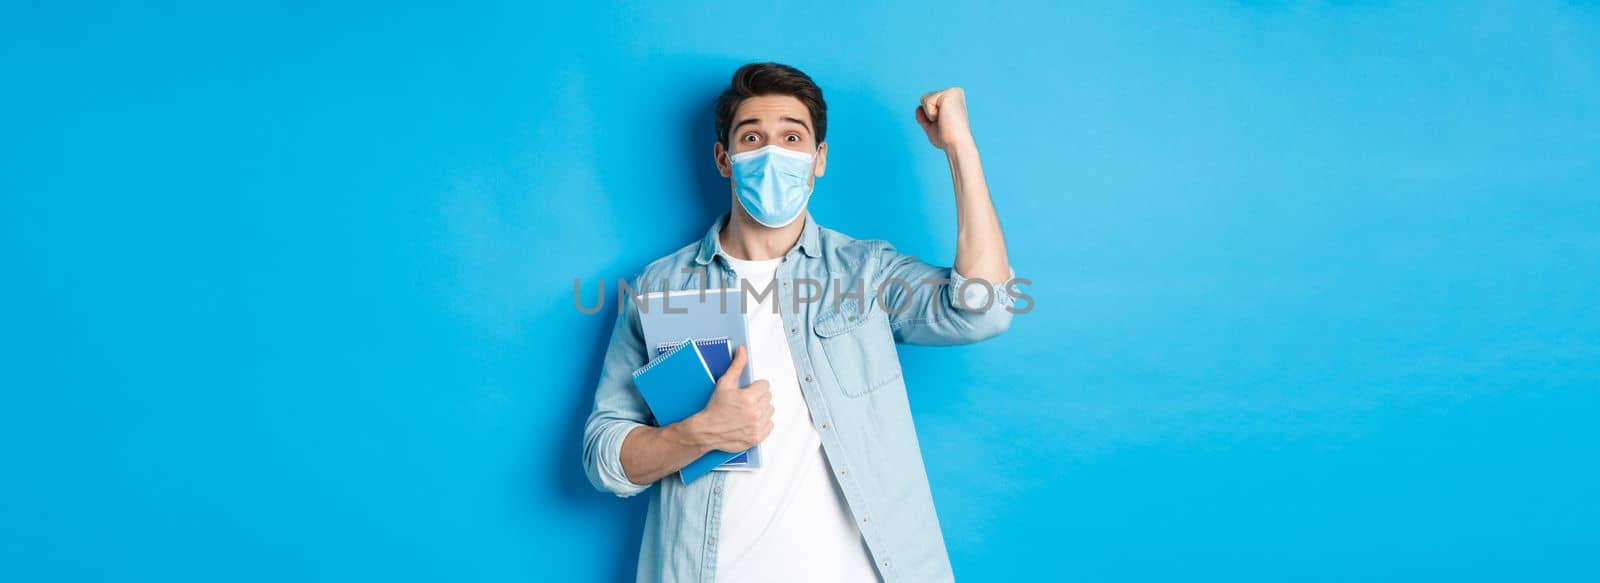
[{"x": 841, "y": 494}]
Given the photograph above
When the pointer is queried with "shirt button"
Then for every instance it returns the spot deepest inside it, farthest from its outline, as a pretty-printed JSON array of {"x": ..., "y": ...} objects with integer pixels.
[
  {"x": 808, "y": 378},
  {"x": 866, "y": 519},
  {"x": 793, "y": 331},
  {"x": 844, "y": 471},
  {"x": 712, "y": 541},
  {"x": 824, "y": 425},
  {"x": 886, "y": 563},
  {"x": 717, "y": 489}
]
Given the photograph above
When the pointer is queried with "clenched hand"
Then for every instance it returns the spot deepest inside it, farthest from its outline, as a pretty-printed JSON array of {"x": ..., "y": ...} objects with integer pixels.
[
  {"x": 943, "y": 116},
  {"x": 735, "y": 419}
]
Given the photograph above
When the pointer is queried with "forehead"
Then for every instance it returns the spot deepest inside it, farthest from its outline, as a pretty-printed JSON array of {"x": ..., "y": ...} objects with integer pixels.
[{"x": 771, "y": 109}]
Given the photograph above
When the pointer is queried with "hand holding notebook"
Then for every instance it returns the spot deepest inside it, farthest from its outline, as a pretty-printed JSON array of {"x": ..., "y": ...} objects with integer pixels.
[
  {"x": 714, "y": 318},
  {"x": 737, "y": 418},
  {"x": 679, "y": 384},
  {"x": 717, "y": 356}
]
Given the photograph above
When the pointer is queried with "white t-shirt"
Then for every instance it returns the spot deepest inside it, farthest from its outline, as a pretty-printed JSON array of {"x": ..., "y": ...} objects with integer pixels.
[{"x": 787, "y": 520}]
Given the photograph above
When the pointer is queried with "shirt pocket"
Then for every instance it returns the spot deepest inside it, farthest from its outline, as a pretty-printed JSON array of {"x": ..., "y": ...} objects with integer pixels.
[{"x": 860, "y": 347}]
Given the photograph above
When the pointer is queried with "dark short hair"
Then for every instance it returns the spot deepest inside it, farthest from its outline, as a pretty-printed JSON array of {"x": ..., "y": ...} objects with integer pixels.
[{"x": 758, "y": 79}]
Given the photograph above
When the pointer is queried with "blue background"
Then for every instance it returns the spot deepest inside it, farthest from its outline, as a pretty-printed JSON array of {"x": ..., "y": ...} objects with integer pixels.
[{"x": 288, "y": 289}]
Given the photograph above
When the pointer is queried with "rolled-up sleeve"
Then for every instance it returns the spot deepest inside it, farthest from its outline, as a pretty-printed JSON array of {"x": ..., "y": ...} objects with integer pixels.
[
  {"x": 618, "y": 407},
  {"x": 935, "y": 305}
]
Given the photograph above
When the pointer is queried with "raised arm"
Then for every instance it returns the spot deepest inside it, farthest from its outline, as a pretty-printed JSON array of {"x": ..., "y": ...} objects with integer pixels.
[
  {"x": 971, "y": 301},
  {"x": 980, "y": 246}
]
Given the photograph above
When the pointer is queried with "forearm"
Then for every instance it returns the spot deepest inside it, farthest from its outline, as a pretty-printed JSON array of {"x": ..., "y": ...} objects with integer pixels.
[
  {"x": 651, "y": 453},
  {"x": 980, "y": 246}
]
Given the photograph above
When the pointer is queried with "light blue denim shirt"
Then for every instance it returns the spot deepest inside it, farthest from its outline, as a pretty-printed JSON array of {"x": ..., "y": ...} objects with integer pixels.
[{"x": 844, "y": 354}]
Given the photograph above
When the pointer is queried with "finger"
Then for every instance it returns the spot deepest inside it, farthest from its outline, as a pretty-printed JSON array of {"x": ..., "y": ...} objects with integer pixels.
[
  {"x": 759, "y": 388},
  {"x": 922, "y": 119},
  {"x": 730, "y": 378},
  {"x": 930, "y": 106}
]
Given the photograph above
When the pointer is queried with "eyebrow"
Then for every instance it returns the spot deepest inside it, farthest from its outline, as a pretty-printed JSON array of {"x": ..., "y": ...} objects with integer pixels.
[{"x": 751, "y": 120}]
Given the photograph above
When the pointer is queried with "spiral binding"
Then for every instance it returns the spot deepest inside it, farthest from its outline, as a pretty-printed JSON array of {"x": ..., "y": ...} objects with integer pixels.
[{"x": 658, "y": 359}]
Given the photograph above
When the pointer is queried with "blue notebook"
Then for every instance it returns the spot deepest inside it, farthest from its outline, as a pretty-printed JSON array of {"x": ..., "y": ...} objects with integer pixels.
[
  {"x": 718, "y": 356},
  {"x": 676, "y": 385},
  {"x": 668, "y": 317}
]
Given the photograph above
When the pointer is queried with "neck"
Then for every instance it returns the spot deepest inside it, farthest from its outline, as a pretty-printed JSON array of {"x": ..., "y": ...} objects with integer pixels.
[{"x": 744, "y": 238}]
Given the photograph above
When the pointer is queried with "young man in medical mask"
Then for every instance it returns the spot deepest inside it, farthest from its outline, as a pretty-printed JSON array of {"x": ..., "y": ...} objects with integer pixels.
[{"x": 841, "y": 494}]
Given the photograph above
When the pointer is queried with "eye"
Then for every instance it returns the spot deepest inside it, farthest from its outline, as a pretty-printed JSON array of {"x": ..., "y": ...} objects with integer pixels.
[
  {"x": 750, "y": 137},
  {"x": 794, "y": 138}
]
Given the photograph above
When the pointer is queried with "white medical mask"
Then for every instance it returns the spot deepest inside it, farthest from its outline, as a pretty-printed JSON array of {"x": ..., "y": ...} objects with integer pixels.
[{"x": 772, "y": 183}]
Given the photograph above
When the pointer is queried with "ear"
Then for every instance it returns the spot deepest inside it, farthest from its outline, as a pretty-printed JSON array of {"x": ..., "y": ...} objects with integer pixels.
[
  {"x": 719, "y": 155},
  {"x": 822, "y": 160}
]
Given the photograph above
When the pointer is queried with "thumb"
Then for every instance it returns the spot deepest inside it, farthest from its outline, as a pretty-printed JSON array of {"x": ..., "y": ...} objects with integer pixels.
[{"x": 730, "y": 379}]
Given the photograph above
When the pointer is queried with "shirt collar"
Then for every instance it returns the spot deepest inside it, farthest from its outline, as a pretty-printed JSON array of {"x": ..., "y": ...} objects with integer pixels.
[{"x": 711, "y": 245}]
